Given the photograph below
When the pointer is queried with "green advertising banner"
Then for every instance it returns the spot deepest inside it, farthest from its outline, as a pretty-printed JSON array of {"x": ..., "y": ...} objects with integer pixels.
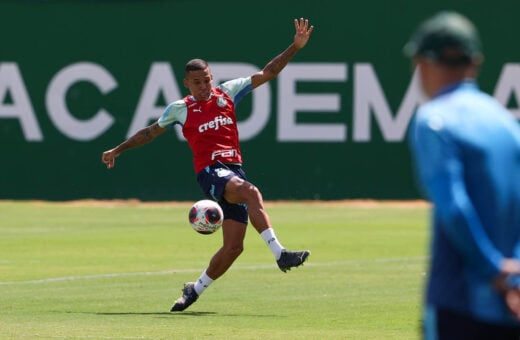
[{"x": 79, "y": 77}]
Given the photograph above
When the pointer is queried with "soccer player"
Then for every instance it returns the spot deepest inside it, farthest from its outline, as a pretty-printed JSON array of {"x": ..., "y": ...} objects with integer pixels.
[
  {"x": 209, "y": 124},
  {"x": 466, "y": 148}
]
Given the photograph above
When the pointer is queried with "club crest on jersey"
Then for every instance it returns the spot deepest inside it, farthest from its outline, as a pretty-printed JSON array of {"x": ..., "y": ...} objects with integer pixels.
[{"x": 221, "y": 101}]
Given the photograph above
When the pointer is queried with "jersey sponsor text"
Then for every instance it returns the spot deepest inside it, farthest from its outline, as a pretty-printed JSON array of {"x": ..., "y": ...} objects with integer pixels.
[
  {"x": 215, "y": 123},
  {"x": 224, "y": 153}
]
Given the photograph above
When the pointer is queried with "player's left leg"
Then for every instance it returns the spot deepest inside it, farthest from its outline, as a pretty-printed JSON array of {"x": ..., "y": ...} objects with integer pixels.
[{"x": 239, "y": 190}]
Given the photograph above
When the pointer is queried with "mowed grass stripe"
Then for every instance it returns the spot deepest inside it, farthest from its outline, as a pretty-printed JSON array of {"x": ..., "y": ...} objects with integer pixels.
[{"x": 198, "y": 270}]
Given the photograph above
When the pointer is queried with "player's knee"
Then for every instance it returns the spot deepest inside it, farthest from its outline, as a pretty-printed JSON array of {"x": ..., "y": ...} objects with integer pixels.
[
  {"x": 252, "y": 193},
  {"x": 241, "y": 191},
  {"x": 234, "y": 251}
]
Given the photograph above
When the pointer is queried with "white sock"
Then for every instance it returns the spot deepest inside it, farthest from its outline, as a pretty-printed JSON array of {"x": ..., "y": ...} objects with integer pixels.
[
  {"x": 271, "y": 240},
  {"x": 202, "y": 283}
]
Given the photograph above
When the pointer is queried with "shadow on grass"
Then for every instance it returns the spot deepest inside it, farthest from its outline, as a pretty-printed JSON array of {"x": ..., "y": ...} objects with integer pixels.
[
  {"x": 182, "y": 314},
  {"x": 173, "y": 314},
  {"x": 158, "y": 313}
]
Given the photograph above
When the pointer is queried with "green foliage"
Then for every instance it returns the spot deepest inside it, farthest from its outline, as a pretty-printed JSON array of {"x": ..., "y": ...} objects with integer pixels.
[{"x": 112, "y": 271}]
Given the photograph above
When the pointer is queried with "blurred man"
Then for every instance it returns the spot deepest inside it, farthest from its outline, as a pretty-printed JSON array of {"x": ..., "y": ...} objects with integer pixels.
[
  {"x": 209, "y": 124},
  {"x": 467, "y": 155}
]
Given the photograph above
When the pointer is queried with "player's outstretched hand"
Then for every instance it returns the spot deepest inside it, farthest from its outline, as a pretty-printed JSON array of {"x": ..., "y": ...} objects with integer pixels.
[
  {"x": 109, "y": 158},
  {"x": 303, "y": 32}
]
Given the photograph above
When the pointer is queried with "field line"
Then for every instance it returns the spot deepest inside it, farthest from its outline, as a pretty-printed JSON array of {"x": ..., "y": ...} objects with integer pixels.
[{"x": 198, "y": 270}]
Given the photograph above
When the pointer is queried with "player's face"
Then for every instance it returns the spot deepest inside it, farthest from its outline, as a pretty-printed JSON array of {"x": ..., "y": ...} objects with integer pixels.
[{"x": 199, "y": 83}]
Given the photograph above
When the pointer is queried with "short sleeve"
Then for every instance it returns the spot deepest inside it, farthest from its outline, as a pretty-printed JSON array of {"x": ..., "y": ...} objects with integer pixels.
[
  {"x": 175, "y": 113},
  {"x": 237, "y": 88}
]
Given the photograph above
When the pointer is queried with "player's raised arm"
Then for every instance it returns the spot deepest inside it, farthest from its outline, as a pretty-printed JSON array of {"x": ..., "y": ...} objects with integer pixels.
[
  {"x": 271, "y": 70},
  {"x": 141, "y": 137}
]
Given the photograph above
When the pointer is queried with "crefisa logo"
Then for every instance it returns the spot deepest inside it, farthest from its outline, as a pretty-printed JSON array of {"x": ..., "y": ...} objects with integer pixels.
[{"x": 215, "y": 124}]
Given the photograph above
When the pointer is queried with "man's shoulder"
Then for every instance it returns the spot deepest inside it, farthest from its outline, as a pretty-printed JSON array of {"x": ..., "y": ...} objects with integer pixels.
[
  {"x": 179, "y": 104},
  {"x": 234, "y": 84},
  {"x": 174, "y": 112},
  {"x": 430, "y": 109}
]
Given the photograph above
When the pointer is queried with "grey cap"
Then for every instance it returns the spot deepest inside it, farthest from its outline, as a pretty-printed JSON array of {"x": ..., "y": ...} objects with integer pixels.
[{"x": 447, "y": 37}]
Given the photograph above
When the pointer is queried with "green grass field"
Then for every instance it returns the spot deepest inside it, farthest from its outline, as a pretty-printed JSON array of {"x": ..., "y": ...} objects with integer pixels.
[{"x": 112, "y": 271}]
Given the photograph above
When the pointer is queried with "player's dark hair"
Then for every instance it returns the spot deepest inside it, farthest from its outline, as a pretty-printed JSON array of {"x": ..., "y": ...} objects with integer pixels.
[{"x": 196, "y": 65}]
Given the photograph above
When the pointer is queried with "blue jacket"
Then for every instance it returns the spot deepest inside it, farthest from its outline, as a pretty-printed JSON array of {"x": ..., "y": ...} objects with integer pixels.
[{"x": 466, "y": 148}]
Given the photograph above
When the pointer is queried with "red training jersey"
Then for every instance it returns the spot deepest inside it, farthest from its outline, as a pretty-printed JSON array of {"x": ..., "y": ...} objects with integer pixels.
[{"x": 211, "y": 130}]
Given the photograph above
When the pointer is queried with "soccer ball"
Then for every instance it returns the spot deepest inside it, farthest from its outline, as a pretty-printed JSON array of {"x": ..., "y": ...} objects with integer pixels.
[{"x": 206, "y": 217}]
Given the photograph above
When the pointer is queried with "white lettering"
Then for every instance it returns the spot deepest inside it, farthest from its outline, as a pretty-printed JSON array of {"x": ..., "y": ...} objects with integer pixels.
[
  {"x": 369, "y": 102},
  {"x": 224, "y": 153},
  {"x": 509, "y": 84},
  {"x": 215, "y": 124},
  {"x": 289, "y": 103},
  {"x": 21, "y": 108},
  {"x": 57, "y": 107},
  {"x": 369, "y": 97},
  {"x": 160, "y": 79}
]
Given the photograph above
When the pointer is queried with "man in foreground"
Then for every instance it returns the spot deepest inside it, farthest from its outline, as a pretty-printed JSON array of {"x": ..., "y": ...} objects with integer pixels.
[{"x": 467, "y": 152}]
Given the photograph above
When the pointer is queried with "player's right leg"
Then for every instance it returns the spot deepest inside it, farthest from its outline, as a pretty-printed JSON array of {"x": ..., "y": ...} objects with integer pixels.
[
  {"x": 233, "y": 234},
  {"x": 213, "y": 181}
]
